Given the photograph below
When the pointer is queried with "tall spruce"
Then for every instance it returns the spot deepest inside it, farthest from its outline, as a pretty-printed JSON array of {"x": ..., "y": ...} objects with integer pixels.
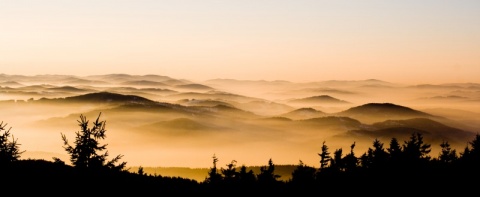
[
  {"x": 324, "y": 156},
  {"x": 86, "y": 153},
  {"x": 9, "y": 149}
]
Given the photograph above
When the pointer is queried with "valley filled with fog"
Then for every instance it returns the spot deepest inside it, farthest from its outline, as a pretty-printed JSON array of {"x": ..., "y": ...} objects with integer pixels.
[{"x": 156, "y": 120}]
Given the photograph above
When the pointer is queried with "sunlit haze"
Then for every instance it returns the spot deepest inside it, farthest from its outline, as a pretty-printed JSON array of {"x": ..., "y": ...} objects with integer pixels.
[
  {"x": 178, "y": 81},
  {"x": 305, "y": 40}
]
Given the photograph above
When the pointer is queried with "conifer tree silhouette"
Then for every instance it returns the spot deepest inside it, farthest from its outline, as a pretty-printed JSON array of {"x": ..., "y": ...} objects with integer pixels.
[
  {"x": 246, "y": 178},
  {"x": 303, "y": 174},
  {"x": 470, "y": 157},
  {"x": 230, "y": 173},
  {"x": 415, "y": 149},
  {"x": 375, "y": 158},
  {"x": 395, "y": 152},
  {"x": 267, "y": 174},
  {"x": 213, "y": 176},
  {"x": 324, "y": 156},
  {"x": 350, "y": 161},
  {"x": 336, "y": 163},
  {"x": 86, "y": 151},
  {"x": 9, "y": 149},
  {"x": 474, "y": 148},
  {"x": 447, "y": 155}
]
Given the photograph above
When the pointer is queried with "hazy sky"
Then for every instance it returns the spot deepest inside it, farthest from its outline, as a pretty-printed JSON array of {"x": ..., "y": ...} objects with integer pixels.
[{"x": 408, "y": 41}]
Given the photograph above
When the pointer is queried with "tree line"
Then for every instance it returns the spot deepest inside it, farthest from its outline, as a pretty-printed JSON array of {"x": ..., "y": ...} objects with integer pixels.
[{"x": 397, "y": 166}]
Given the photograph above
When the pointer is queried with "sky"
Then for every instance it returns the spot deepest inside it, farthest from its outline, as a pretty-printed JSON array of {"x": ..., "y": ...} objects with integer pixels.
[{"x": 407, "y": 41}]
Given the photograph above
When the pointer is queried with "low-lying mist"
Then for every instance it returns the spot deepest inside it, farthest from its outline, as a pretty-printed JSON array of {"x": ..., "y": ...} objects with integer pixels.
[{"x": 160, "y": 121}]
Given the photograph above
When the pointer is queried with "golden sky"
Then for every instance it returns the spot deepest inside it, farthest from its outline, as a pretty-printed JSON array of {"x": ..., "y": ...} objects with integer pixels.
[{"x": 428, "y": 41}]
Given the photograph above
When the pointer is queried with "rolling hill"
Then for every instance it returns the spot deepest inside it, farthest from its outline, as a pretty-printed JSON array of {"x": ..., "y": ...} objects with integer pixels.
[
  {"x": 303, "y": 113},
  {"x": 175, "y": 127},
  {"x": 194, "y": 87},
  {"x": 247, "y": 115},
  {"x": 11, "y": 84},
  {"x": 375, "y": 112},
  {"x": 99, "y": 98},
  {"x": 318, "y": 100},
  {"x": 144, "y": 83},
  {"x": 434, "y": 132}
]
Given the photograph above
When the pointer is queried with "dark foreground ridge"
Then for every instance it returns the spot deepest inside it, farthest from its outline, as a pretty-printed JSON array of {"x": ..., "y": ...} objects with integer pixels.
[{"x": 399, "y": 168}]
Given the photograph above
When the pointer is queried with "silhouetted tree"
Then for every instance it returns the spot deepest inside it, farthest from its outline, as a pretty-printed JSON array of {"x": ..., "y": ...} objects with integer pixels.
[
  {"x": 415, "y": 149},
  {"x": 366, "y": 160},
  {"x": 213, "y": 176},
  {"x": 140, "y": 171},
  {"x": 85, "y": 154},
  {"x": 324, "y": 156},
  {"x": 336, "y": 164},
  {"x": 395, "y": 152},
  {"x": 375, "y": 158},
  {"x": 9, "y": 149},
  {"x": 470, "y": 157},
  {"x": 447, "y": 155},
  {"x": 350, "y": 161},
  {"x": 267, "y": 174},
  {"x": 246, "y": 178},
  {"x": 230, "y": 173},
  {"x": 414, "y": 160},
  {"x": 445, "y": 164},
  {"x": 474, "y": 149},
  {"x": 303, "y": 174}
]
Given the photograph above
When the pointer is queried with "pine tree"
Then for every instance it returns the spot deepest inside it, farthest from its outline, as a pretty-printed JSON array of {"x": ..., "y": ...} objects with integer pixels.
[
  {"x": 395, "y": 151},
  {"x": 350, "y": 161},
  {"x": 86, "y": 152},
  {"x": 336, "y": 164},
  {"x": 267, "y": 174},
  {"x": 229, "y": 173},
  {"x": 303, "y": 174},
  {"x": 470, "y": 157},
  {"x": 246, "y": 178},
  {"x": 447, "y": 155},
  {"x": 9, "y": 149},
  {"x": 415, "y": 149},
  {"x": 324, "y": 156},
  {"x": 375, "y": 158},
  {"x": 213, "y": 176}
]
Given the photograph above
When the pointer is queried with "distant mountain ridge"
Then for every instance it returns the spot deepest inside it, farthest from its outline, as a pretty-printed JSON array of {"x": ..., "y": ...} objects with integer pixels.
[
  {"x": 101, "y": 97},
  {"x": 242, "y": 113},
  {"x": 423, "y": 124},
  {"x": 384, "y": 108},
  {"x": 11, "y": 84},
  {"x": 375, "y": 112},
  {"x": 317, "y": 100},
  {"x": 433, "y": 131},
  {"x": 303, "y": 113},
  {"x": 194, "y": 86},
  {"x": 144, "y": 83}
]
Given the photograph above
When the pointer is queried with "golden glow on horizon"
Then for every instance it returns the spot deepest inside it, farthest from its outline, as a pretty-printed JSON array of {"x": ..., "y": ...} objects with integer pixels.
[{"x": 406, "y": 42}]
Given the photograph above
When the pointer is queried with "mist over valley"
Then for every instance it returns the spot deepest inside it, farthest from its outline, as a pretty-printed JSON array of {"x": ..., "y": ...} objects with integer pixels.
[{"x": 161, "y": 121}]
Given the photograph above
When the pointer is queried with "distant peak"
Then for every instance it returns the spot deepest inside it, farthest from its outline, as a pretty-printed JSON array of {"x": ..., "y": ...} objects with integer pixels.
[
  {"x": 108, "y": 97},
  {"x": 319, "y": 98},
  {"x": 374, "y": 80},
  {"x": 382, "y": 105},
  {"x": 119, "y": 74},
  {"x": 385, "y": 108},
  {"x": 309, "y": 109}
]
